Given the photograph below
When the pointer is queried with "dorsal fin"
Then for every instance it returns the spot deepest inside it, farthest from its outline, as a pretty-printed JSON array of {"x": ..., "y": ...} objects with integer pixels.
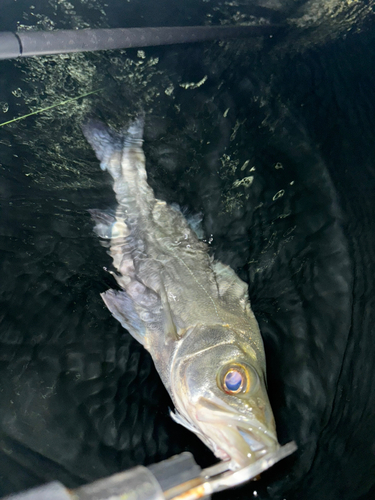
[{"x": 230, "y": 285}]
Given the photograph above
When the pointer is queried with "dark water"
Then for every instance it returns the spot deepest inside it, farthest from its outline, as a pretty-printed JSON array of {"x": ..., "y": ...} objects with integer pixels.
[{"x": 276, "y": 149}]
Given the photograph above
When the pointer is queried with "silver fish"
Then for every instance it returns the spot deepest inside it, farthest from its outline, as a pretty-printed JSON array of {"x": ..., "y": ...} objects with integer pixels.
[{"x": 191, "y": 312}]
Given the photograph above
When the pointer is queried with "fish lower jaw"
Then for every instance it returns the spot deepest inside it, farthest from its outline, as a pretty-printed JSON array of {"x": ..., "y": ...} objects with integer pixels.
[
  {"x": 221, "y": 455},
  {"x": 245, "y": 449},
  {"x": 258, "y": 445},
  {"x": 239, "y": 456}
]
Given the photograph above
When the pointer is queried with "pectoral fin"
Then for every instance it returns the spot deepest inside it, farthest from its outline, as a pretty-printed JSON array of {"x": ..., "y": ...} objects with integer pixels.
[
  {"x": 122, "y": 308},
  {"x": 170, "y": 330}
]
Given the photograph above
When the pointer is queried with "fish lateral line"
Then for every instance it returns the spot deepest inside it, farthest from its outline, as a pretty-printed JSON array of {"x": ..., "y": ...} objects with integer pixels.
[{"x": 199, "y": 284}]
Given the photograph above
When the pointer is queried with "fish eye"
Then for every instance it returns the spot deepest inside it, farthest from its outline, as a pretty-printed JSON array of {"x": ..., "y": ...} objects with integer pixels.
[
  {"x": 233, "y": 381},
  {"x": 237, "y": 378}
]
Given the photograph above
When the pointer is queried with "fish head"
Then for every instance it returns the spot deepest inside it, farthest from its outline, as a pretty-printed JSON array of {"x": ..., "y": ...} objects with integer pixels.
[{"x": 220, "y": 393}]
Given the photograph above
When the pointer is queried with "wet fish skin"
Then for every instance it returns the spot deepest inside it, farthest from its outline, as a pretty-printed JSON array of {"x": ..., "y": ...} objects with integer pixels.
[{"x": 190, "y": 312}]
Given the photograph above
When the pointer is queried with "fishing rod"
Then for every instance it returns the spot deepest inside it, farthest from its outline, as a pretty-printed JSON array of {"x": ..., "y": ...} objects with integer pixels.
[{"x": 41, "y": 43}]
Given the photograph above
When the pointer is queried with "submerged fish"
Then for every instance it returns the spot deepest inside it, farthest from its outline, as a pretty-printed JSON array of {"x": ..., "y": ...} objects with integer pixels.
[{"x": 190, "y": 312}]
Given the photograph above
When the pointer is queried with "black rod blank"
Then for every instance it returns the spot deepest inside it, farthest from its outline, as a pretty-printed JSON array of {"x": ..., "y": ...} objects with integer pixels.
[{"x": 40, "y": 43}]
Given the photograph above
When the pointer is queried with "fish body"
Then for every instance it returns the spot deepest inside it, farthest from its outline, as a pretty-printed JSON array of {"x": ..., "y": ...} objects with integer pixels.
[{"x": 191, "y": 312}]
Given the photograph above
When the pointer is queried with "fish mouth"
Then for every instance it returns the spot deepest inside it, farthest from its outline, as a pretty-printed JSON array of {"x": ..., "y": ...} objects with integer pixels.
[{"x": 233, "y": 436}]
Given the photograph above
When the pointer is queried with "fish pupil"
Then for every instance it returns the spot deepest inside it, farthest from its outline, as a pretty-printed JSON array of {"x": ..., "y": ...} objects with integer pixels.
[{"x": 233, "y": 381}]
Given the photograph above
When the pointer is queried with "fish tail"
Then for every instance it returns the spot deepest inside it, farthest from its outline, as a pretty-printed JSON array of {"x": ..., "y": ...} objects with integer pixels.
[
  {"x": 104, "y": 141},
  {"x": 133, "y": 134},
  {"x": 122, "y": 155}
]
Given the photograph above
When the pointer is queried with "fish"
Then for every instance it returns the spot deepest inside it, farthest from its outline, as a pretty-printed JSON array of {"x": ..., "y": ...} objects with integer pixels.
[{"x": 190, "y": 311}]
